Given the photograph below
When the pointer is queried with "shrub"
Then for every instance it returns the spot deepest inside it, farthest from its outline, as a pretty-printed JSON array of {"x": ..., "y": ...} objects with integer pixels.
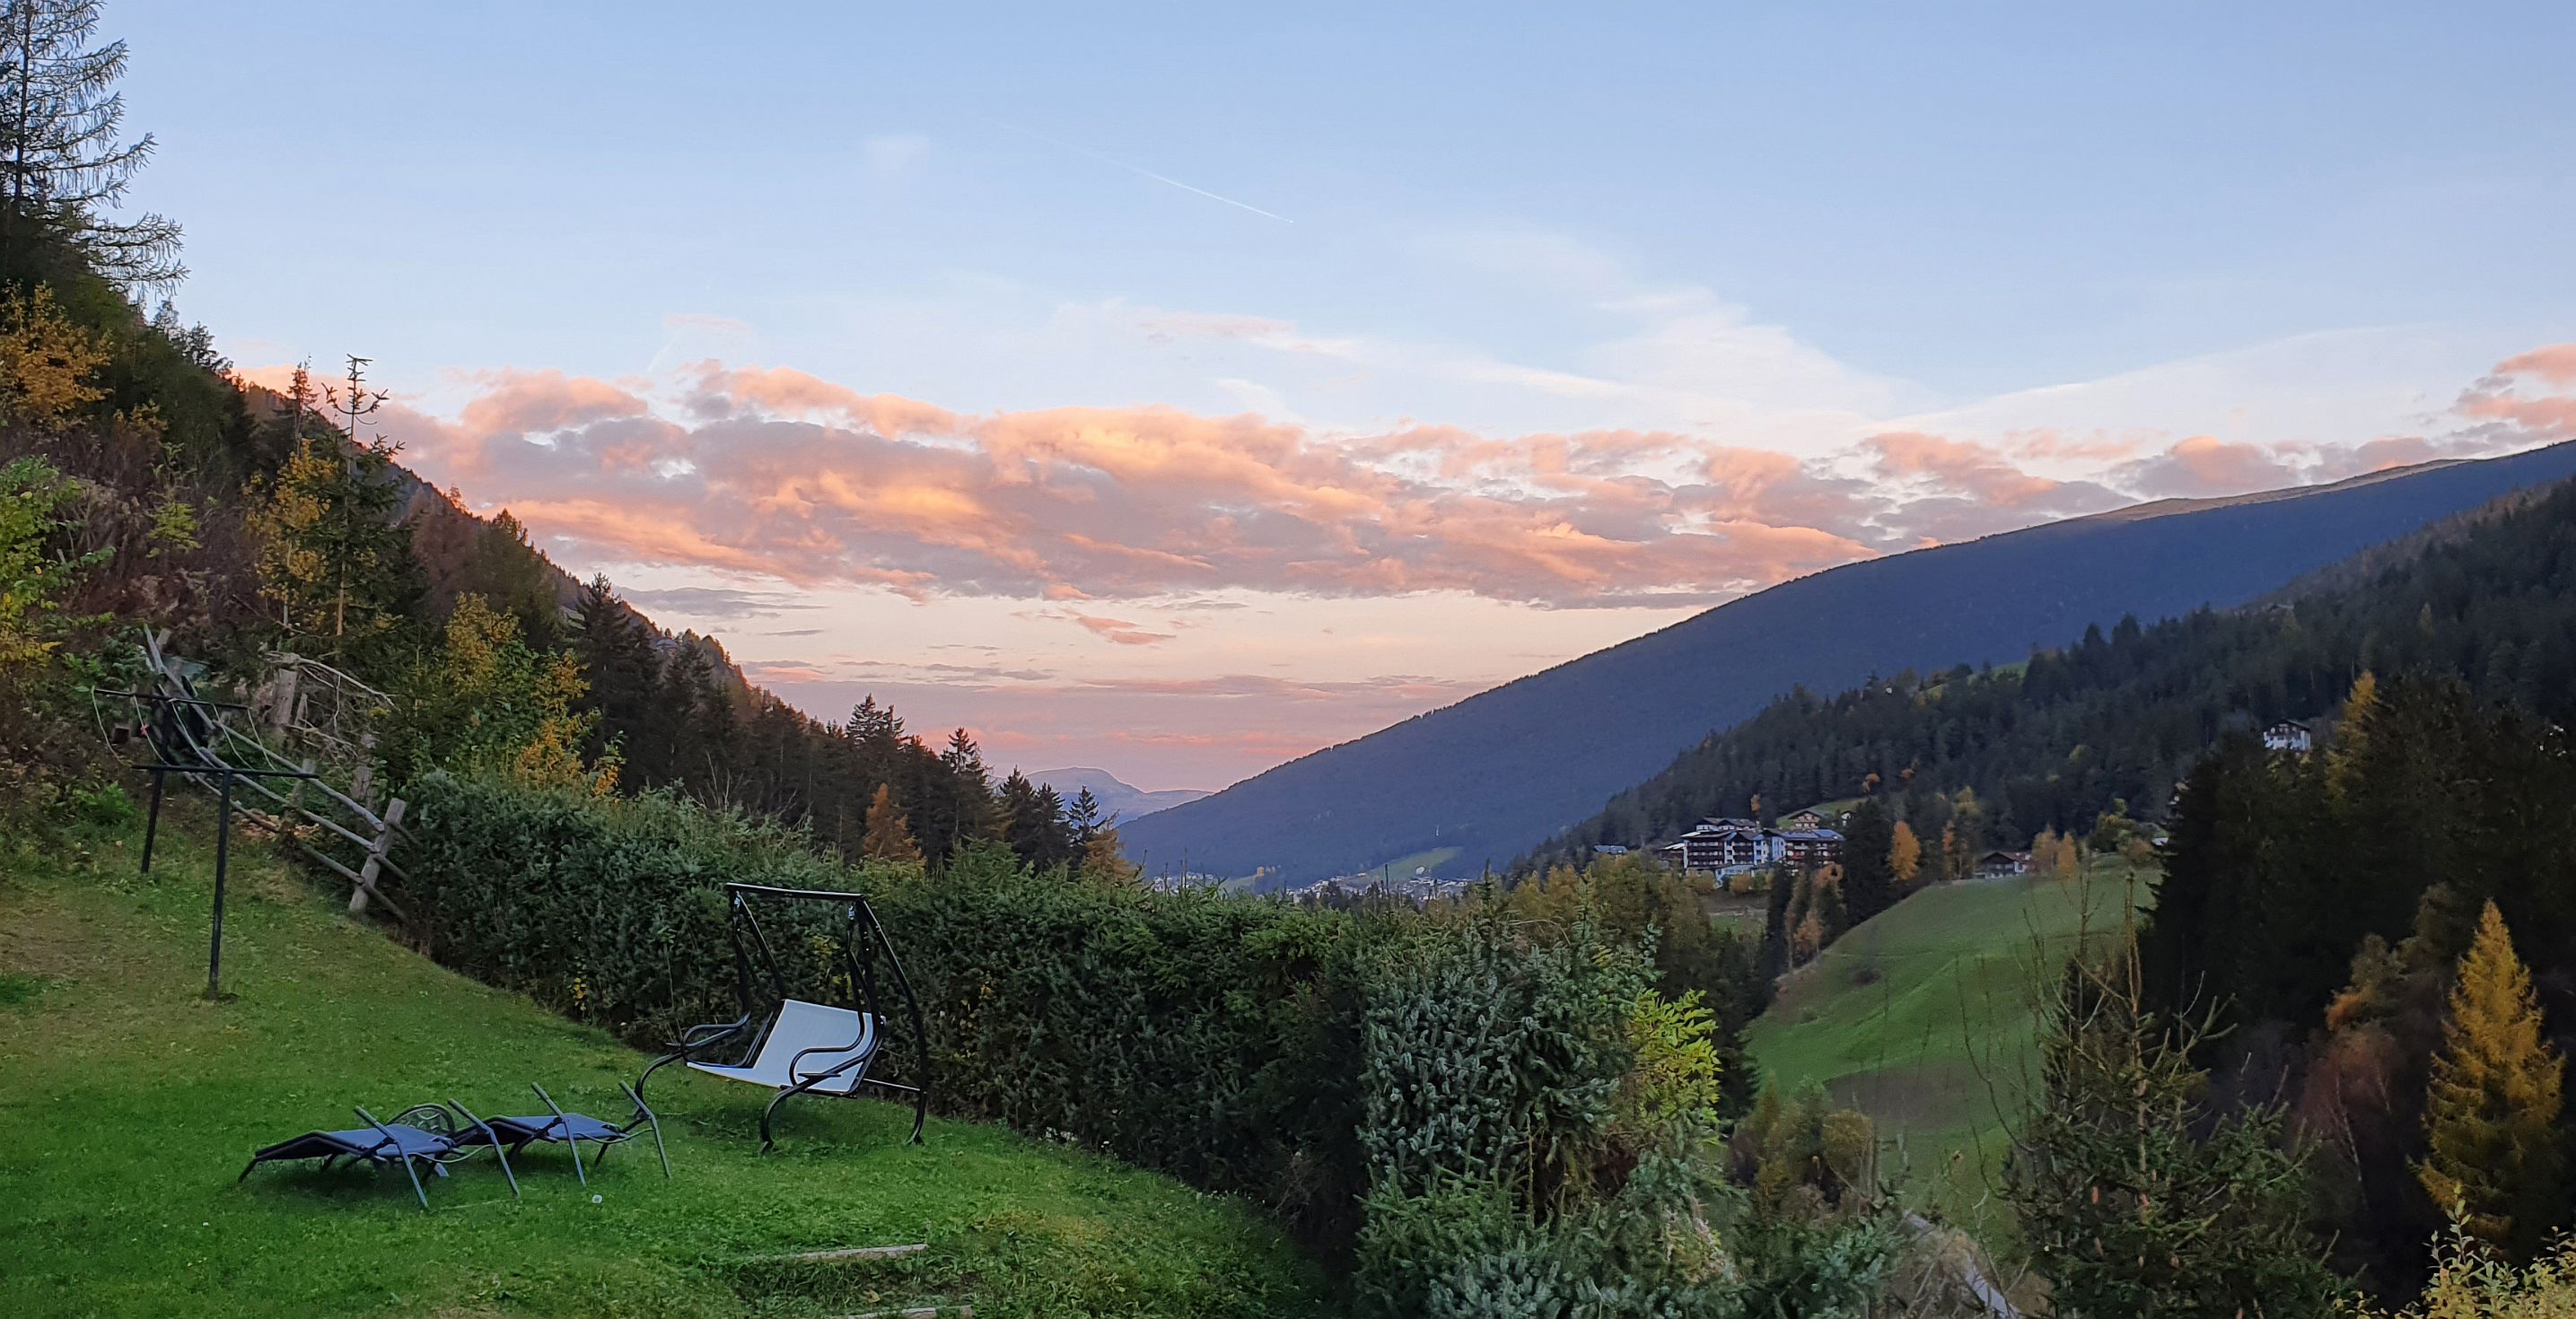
[{"x": 1212, "y": 1039}]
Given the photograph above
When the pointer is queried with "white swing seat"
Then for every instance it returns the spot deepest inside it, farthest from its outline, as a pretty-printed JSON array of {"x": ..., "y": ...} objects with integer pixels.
[{"x": 826, "y": 1030}]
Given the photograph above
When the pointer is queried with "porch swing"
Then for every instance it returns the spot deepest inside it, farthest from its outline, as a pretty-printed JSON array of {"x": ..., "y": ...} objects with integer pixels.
[{"x": 799, "y": 1046}]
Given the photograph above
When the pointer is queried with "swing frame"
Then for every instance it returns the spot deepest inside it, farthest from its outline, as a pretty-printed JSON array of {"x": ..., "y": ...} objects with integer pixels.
[{"x": 864, "y": 940}]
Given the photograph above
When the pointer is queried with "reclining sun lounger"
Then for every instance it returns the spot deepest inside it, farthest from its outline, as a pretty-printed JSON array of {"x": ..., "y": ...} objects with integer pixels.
[
  {"x": 408, "y": 1139},
  {"x": 571, "y": 1129}
]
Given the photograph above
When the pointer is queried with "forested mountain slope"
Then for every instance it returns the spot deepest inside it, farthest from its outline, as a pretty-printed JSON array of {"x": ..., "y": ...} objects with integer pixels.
[
  {"x": 2123, "y": 716},
  {"x": 1500, "y": 772}
]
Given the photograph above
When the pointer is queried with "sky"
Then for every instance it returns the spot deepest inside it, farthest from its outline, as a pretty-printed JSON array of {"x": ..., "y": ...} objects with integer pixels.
[{"x": 1177, "y": 390}]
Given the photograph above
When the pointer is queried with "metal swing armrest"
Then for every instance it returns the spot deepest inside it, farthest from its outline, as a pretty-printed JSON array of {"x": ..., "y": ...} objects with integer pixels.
[{"x": 687, "y": 1046}]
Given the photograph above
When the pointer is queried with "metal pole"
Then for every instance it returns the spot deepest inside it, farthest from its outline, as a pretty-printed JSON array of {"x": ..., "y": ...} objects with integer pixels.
[
  {"x": 223, "y": 839},
  {"x": 152, "y": 822}
]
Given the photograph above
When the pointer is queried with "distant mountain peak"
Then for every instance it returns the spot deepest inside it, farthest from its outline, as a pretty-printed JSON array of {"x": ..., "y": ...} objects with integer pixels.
[{"x": 1124, "y": 800}]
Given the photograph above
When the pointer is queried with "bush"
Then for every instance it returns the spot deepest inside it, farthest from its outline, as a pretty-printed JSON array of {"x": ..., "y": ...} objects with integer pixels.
[
  {"x": 1216, "y": 1040},
  {"x": 1486, "y": 1119}
]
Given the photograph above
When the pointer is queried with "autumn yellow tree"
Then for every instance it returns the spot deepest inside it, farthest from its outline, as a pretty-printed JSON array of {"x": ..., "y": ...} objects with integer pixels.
[
  {"x": 45, "y": 362},
  {"x": 888, "y": 838},
  {"x": 2491, "y": 1109},
  {"x": 1904, "y": 855},
  {"x": 2352, "y": 733}
]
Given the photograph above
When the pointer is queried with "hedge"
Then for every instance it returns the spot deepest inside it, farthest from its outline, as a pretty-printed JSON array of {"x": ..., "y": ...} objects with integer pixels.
[
  {"x": 1213, "y": 1039},
  {"x": 1463, "y": 1087}
]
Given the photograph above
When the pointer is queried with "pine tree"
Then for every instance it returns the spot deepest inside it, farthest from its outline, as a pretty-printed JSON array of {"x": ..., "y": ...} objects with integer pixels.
[
  {"x": 887, "y": 838},
  {"x": 2492, "y": 1107},
  {"x": 61, "y": 161},
  {"x": 333, "y": 560},
  {"x": 1084, "y": 819},
  {"x": 1868, "y": 886}
]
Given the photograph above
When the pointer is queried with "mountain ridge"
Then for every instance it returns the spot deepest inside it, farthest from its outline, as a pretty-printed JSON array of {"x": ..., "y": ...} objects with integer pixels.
[{"x": 1504, "y": 769}]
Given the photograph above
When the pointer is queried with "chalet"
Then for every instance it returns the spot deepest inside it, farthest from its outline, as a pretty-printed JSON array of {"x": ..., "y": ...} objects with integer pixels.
[
  {"x": 1803, "y": 822},
  {"x": 2000, "y": 864},
  {"x": 1811, "y": 848},
  {"x": 1609, "y": 849},
  {"x": 2291, "y": 736}
]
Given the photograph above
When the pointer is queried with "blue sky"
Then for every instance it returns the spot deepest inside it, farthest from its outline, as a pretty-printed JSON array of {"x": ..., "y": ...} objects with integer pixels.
[{"x": 2297, "y": 229}]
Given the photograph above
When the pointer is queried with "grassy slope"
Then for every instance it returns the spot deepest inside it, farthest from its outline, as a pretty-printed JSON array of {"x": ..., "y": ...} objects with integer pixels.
[
  {"x": 1926, "y": 1017},
  {"x": 128, "y": 1105}
]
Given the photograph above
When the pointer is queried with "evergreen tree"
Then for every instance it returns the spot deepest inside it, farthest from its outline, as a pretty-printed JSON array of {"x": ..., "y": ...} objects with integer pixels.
[
  {"x": 63, "y": 164},
  {"x": 1868, "y": 885},
  {"x": 1083, "y": 818},
  {"x": 2491, "y": 1110},
  {"x": 616, "y": 651},
  {"x": 1033, "y": 823},
  {"x": 2135, "y": 1198},
  {"x": 887, "y": 838},
  {"x": 333, "y": 560}
]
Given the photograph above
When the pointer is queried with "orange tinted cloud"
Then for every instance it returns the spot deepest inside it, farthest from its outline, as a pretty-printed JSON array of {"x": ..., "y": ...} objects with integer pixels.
[{"x": 774, "y": 472}]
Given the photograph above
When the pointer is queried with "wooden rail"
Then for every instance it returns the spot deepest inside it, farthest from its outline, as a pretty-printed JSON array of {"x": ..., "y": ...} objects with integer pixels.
[{"x": 215, "y": 742}]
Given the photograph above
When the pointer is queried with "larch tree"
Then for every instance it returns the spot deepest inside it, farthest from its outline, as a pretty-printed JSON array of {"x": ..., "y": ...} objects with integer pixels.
[
  {"x": 64, "y": 161},
  {"x": 887, "y": 838},
  {"x": 1904, "y": 854},
  {"x": 2491, "y": 1109}
]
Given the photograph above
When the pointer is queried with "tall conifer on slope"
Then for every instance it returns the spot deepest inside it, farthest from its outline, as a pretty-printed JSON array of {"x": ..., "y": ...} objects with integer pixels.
[
  {"x": 62, "y": 163},
  {"x": 2492, "y": 1108}
]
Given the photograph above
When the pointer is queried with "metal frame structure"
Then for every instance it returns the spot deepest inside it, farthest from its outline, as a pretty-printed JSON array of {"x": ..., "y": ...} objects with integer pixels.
[
  {"x": 166, "y": 735},
  {"x": 423, "y": 1133},
  {"x": 865, "y": 939},
  {"x": 571, "y": 1129}
]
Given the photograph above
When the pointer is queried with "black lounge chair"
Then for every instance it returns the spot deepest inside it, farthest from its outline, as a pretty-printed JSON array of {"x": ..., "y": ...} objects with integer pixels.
[
  {"x": 571, "y": 1129},
  {"x": 421, "y": 1134}
]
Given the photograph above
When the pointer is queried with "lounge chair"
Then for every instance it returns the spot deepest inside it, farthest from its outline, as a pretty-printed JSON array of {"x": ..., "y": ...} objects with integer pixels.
[
  {"x": 571, "y": 1129},
  {"x": 420, "y": 1134}
]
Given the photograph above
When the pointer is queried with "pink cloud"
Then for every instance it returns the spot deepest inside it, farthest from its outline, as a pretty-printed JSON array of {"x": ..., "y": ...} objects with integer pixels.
[
  {"x": 782, "y": 474},
  {"x": 1120, "y": 631},
  {"x": 2555, "y": 363},
  {"x": 2205, "y": 465}
]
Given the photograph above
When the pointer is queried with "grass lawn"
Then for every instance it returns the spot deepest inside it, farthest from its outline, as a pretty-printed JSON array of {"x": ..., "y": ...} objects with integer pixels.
[
  {"x": 1926, "y": 1018},
  {"x": 128, "y": 1105}
]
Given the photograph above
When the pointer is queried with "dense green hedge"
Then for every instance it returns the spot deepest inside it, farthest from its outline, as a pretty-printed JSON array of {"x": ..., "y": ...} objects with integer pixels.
[
  {"x": 1481, "y": 1108},
  {"x": 1216, "y": 1040}
]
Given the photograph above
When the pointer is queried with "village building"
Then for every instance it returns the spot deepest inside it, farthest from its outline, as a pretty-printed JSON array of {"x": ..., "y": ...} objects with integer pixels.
[
  {"x": 2000, "y": 864},
  {"x": 1725, "y": 846},
  {"x": 2291, "y": 736},
  {"x": 1811, "y": 848},
  {"x": 1806, "y": 821}
]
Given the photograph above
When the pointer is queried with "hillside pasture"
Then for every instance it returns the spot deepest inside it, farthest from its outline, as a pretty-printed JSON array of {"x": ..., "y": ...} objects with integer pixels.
[{"x": 1926, "y": 1019}]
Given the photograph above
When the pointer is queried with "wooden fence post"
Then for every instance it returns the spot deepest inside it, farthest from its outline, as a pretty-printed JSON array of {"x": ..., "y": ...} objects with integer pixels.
[
  {"x": 361, "y": 782},
  {"x": 375, "y": 858}
]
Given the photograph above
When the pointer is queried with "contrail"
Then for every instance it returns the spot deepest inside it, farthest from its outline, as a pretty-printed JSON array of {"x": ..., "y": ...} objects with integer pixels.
[{"x": 1139, "y": 169}]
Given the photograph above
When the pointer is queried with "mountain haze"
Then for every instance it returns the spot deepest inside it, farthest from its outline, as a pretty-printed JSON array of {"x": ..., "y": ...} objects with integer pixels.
[
  {"x": 1123, "y": 800},
  {"x": 1503, "y": 770}
]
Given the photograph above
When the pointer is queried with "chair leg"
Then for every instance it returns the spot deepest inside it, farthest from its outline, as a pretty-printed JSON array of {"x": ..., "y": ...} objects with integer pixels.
[
  {"x": 575, "y": 1147},
  {"x": 767, "y": 1143},
  {"x": 246, "y": 1172},
  {"x": 497, "y": 1152},
  {"x": 415, "y": 1183},
  {"x": 656, "y": 1123}
]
